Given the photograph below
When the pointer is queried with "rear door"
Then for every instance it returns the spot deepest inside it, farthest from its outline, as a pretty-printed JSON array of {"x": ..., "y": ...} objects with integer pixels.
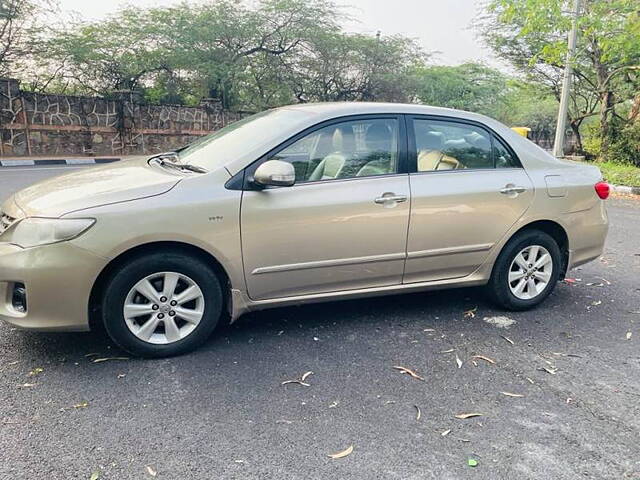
[{"x": 468, "y": 188}]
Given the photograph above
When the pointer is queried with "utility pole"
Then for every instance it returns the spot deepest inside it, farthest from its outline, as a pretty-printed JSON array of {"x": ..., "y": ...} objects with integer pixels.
[{"x": 561, "y": 125}]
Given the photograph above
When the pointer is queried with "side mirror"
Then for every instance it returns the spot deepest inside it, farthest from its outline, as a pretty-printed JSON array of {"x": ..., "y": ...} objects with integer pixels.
[{"x": 275, "y": 173}]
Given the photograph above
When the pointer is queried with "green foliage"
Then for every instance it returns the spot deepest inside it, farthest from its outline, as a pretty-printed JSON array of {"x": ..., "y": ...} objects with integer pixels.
[
  {"x": 620, "y": 174},
  {"x": 470, "y": 86},
  {"x": 625, "y": 146}
]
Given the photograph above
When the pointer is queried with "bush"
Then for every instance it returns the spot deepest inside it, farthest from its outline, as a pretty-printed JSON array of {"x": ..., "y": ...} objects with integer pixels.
[
  {"x": 625, "y": 146},
  {"x": 592, "y": 141}
]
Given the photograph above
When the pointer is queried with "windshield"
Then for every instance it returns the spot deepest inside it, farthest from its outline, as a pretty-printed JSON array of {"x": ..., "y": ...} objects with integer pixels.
[{"x": 244, "y": 135}]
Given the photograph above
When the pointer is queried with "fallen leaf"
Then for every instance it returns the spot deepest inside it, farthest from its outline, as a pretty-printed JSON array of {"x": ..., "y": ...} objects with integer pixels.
[
  {"x": 418, "y": 412},
  {"x": 596, "y": 303},
  {"x": 464, "y": 416},
  {"x": 409, "y": 372},
  {"x": 551, "y": 370},
  {"x": 605, "y": 280},
  {"x": 343, "y": 453},
  {"x": 95, "y": 475},
  {"x": 151, "y": 471},
  {"x": 629, "y": 335},
  {"x": 508, "y": 339},
  {"x": 81, "y": 405},
  {"x": 334, "y": 404},
  {"x": 472, "y": 462},
  {"x": 509, "y": 394},
  {"x": 458, "y": 361},
  {"x": 530, "y": 381},
  {"x": 448, "y": 351},
  {"x": 107, "y": 359},
  {"x": 122, "y": 375},
  {"x": 486, "y": 359},
  {"x": 446, "y": 432},
  {"x": 35, "y": 372},
  {"x": 429, "y": 330},
  {"x": 27, "y": 385},
  {"x": 300, "y": 381},
  {"x": 471, "y": 313}
]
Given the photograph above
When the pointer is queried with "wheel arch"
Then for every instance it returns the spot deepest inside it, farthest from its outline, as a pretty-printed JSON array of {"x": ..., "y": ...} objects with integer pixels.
[
  {"x": 555, "y": 231},
  {"x": 94, "y": 307}
]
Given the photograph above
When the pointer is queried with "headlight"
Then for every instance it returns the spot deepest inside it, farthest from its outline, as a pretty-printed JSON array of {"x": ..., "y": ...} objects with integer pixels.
[{"x": 34, "y": 231}]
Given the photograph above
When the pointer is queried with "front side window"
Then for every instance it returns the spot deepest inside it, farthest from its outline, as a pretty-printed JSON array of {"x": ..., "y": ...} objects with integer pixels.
[
  {"x": 358, "y": 148},
  {"x": 444, "y": 145}
]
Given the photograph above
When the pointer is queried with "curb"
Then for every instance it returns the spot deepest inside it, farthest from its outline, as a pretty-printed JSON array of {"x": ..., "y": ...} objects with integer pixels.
[
  {"x": 58, "y": 161},
  {"x": 626, "y": 190}
]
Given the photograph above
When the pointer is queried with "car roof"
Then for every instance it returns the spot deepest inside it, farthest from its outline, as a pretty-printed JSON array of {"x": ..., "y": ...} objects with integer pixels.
[{"x": 336, "y": 109}]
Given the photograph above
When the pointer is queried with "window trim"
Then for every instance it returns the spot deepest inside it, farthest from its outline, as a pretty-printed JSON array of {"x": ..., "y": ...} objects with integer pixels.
[
  {"x": 412, "y": 151},
  {"x": 243, "y": 179}
]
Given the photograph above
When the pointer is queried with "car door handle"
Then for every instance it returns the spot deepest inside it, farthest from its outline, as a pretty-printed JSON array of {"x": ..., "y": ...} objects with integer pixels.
[
  {"x": 390, "y": 197},
  {"x": 510, "y": 189}
]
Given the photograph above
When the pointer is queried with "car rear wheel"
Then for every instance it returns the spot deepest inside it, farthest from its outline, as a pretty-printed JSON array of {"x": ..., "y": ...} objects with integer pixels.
[
  {"x": 526, "y": 271},
  {"x": 162, "y": 304}
]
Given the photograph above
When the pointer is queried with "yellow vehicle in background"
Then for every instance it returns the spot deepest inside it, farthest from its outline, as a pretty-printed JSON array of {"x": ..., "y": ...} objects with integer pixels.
[{"x": 524, "y": 131}]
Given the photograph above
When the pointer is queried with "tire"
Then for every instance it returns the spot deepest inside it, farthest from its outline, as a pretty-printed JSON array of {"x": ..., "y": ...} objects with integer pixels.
[
  {"x": 506, "y": 293},
  {"x": 172, "y": 332}
]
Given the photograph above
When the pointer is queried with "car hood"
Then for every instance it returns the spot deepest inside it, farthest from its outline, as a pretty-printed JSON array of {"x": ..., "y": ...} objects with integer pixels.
[{"x": 92, "y": 187}]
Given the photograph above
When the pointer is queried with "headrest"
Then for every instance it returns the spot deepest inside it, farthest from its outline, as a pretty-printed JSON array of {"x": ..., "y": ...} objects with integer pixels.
[
  {"x": 430, "y": 141},
  {"x": 378, "y": 138}
]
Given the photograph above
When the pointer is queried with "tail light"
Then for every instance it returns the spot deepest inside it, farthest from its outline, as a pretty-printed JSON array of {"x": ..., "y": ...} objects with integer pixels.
[{"x": 602, "y": 189}]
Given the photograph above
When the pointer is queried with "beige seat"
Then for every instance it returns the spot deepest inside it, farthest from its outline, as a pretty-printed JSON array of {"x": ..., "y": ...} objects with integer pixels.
[
  {"x": 331, "y": 166},
  {"x": 430, "y": 156}
]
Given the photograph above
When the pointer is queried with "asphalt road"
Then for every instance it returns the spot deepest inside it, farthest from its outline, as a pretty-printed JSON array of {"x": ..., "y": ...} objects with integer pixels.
[{"x": 222, "y": 413}]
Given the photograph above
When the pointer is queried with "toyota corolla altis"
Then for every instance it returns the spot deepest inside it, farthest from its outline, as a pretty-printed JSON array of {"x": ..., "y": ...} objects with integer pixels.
[{"x": 299, "y": 204}]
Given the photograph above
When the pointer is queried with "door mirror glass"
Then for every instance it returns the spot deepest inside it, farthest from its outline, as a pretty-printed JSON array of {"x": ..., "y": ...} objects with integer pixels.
[{"x": 275, "y": 173}]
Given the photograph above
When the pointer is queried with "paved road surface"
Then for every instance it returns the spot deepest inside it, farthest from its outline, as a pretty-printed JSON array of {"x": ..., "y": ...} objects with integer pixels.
[{"x": 222, "y": 413}]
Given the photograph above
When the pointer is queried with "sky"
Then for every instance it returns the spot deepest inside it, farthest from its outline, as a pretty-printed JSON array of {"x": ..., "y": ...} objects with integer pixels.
[{"x": 443, "y": 26}]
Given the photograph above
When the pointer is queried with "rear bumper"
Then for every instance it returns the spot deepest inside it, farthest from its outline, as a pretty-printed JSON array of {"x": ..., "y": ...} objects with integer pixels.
[
  {"x": 58, "y": 279},
  {"x": 587, "y": 234}
]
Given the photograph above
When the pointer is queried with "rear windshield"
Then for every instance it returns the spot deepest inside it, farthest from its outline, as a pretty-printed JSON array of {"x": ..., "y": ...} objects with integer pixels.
[{"x": 244, "y": 135}]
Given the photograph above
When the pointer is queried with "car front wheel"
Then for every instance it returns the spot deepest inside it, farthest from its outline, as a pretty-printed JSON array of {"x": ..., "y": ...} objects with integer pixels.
[
  {"x": 526, "y": 270},
  {"x": 162, "y": 304}
]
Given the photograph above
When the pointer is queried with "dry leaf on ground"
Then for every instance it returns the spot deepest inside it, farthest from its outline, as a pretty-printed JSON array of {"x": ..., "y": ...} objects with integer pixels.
[
  {"x": 486, "y": 359},
  {"x": 464, "y": 416},
  {"x": 107, "y": 359},
  {"x": 151, "y": 471},
  {"x": 446, "y": 432},
  {"x": 27, "y": 385},
  {"x": 471, "y": 313},
  {"x": 509, "y": 394},
  {"x": 95, "y": 475},
  {"x": 418, "y": 412},
  {"x": 35, "y": 371},
  {"x": 508, "y": 339},
  {"x": 629, "y": 335},
  {"x": 458, "y": 361},
  {"x": 409, "y": 372},
  {"x": 300, "y": 381},
  {"x": 343, "y": 453},
  {"x": 448, "y": 351},
  {"x": 81, "y": 405},
  {"x": 551, "y": 370}
]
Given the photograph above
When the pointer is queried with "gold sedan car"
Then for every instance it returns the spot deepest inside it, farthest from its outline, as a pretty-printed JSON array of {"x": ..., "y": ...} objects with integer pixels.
[{"x": 299, "y": 204}]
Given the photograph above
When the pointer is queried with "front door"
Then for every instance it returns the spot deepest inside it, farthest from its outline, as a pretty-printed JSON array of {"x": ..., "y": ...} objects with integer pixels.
[
  {"x": 342, "y": 226},
  {"x": 467, "y": 191}
]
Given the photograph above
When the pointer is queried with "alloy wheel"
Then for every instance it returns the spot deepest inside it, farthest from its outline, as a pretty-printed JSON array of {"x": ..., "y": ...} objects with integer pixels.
[
  {"x": 163, "y": 308},
  {"x": 530, "y": 272}
]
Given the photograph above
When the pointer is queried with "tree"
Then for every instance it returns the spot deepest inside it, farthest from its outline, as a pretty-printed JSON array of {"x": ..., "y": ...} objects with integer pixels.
[
  {"x": 531, "y": 35},
  {"x": 21, "y": 29},
  {"x": 470, "y": 86}
]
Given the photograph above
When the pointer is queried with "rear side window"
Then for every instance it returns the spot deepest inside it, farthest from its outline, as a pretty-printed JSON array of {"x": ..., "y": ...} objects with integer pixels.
[
  {"x": 444, "y": 145},
  {"x": 502, "y": 155}
]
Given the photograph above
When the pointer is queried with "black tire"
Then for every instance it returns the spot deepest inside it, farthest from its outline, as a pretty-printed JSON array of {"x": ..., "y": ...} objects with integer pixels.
[
  {"x": 123, "y": 280},
  {"x": 498, "y": 286}
]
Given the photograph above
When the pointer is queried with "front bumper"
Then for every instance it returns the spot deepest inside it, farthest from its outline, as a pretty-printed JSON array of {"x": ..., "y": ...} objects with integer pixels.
[{"x": 58, "y": 279}]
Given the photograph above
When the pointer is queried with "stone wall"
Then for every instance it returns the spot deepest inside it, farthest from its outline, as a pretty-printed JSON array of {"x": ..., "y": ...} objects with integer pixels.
[{"x": 41, "y": 124}]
